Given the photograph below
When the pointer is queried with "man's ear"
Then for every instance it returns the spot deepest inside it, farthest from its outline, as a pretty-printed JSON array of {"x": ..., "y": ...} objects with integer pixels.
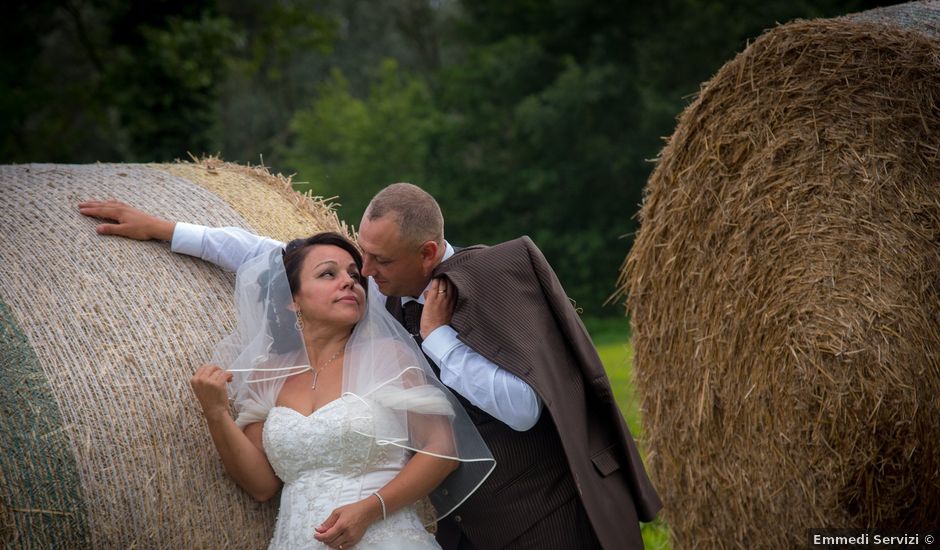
[{"x": 429, "y": 251}]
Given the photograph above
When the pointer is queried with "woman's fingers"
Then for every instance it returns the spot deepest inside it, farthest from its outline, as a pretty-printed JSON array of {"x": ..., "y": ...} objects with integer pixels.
[
  {"x": 210, "y": 377},
  {"x": 329, "y": 532}
]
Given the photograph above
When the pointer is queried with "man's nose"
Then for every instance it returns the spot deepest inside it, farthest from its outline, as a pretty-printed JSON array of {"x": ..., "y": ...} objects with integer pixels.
[{"x": 368, "y": 269}]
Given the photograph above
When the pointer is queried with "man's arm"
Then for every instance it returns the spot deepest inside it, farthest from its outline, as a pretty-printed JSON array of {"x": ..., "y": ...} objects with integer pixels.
[
  {"x": 497, "y": 391},
  {"x": 227, "y": 247}
]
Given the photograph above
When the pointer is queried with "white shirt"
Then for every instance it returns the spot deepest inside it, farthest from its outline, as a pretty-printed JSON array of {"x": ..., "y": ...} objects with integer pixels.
[{"x": 500, "y": 393}]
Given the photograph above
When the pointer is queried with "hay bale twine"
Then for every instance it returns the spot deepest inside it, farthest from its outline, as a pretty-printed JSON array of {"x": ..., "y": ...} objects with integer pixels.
[
  {"x": 784, "y": 287},
  {"x": 103, "y": 443}
]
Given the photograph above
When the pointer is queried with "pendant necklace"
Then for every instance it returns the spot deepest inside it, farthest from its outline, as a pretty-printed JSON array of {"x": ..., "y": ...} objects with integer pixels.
[{"x": 316, "y": 372}]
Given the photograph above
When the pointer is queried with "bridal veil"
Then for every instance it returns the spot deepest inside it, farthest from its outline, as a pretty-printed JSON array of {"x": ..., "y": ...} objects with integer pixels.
[{"x": 383, "y": 368}]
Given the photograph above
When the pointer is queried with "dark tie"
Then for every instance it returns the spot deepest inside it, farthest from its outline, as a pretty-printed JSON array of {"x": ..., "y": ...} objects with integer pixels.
[{"x": 412, "y": 317}]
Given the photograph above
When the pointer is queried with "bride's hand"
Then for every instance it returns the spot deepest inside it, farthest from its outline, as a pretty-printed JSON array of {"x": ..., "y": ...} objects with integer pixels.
[
  {"x": 347, "y": 524},
  {"x": 209, "y": 386}
]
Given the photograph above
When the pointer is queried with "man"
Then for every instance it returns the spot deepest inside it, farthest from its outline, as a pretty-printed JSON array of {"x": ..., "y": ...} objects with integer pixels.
[{"x": 496, "y": 325}]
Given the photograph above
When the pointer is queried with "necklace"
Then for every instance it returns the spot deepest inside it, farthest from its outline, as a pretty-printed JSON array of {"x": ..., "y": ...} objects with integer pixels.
[{"x": 316, "y": 372}]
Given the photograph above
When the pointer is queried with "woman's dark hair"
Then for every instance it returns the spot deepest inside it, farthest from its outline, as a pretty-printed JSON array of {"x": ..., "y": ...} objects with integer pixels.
[{"x": 296, "y": 251}]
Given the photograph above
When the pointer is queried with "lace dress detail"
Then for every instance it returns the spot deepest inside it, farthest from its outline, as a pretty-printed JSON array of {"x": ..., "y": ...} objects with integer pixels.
[{"x": 324, "y": 463}]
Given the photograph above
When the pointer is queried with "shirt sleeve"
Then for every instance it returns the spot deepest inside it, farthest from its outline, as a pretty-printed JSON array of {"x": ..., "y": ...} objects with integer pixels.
[
  {"x": 226, "y": 247},
  {"x": 497, "y": 391}
]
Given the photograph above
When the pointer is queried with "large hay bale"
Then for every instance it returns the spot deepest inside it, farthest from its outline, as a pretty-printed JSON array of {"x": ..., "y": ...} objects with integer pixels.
[
  {"x": 104, "y": 445},
  {"x": 784, "y": 288}
]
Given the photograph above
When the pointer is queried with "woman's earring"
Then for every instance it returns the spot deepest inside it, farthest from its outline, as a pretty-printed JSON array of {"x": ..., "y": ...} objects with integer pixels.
[{"x": 299, "y": 324}]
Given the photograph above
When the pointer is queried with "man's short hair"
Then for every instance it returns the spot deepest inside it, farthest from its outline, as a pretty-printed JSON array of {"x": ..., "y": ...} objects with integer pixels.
[{"x": 417, "y": 213}]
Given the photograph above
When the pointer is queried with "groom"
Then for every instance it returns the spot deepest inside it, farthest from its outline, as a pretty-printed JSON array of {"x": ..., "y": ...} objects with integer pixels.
[{"x": 501, "y": 333}]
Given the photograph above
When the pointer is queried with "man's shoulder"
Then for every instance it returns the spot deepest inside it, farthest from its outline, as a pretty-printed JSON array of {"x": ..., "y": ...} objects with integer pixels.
[
  {"x": 518, "y": 244},
  {"x": 520, "y": 247}
]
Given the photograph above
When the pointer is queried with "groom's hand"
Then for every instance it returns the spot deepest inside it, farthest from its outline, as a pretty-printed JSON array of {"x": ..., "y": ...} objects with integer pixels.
[
  {"x": 127, "y": 221},
  {"x": 439, "y": 302}
]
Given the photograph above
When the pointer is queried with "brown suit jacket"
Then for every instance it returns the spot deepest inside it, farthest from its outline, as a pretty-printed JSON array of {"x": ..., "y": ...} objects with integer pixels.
[{"x": 512, "y": 309}]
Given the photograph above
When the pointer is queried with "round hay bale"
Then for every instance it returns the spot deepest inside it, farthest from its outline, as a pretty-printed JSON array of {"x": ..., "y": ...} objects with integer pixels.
[
  {"x": 104, "y": 445},
  {"x": 784, "y": 288}
]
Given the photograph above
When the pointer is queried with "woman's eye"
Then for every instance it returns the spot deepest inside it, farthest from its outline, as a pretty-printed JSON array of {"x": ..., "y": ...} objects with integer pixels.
[{"x": 326, "y": 273}]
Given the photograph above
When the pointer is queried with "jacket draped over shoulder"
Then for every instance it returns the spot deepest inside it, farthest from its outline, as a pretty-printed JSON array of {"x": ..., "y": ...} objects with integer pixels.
[{"x": 512, "y": 309}]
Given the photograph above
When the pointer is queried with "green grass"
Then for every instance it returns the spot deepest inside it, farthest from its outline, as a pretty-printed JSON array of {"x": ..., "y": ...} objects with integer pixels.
[{"x": 612, "y": 339}]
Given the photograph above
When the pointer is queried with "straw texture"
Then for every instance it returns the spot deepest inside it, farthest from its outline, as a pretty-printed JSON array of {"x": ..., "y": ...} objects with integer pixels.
[
  {"x": 40, "y": 491},
  {"x": 261, "y": 206},
  {"x": 115, "y": 329},
  {"x": 784, "y": 288}
]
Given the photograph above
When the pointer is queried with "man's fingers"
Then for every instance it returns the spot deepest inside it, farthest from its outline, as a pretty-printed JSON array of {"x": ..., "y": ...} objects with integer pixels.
[
  {"x": 109, "y": 228},
  {"x": 84, "y": 205},
  {"x": 106, "y": 210},
  {"x": 431, "y": 292},
  {"x": 95, "y": 212}
]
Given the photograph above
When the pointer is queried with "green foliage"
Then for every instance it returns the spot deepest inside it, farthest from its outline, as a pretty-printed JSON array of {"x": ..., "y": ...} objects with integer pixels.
[
  {"x": 272, "y": 70},
  {"x": 164, "y": 88},
  {"x": 533, "y": 117},
  {"x": 109, "y": 80},
  {"x": 353, "y": 147}
]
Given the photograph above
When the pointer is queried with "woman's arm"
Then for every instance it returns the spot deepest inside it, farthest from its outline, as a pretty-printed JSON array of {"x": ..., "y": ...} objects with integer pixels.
[
  {"x": 416, "y": 480},
  {"x": 241, "y": 451}
]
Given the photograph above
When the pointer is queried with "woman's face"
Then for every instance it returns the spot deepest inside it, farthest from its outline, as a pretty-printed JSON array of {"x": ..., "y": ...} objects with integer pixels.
[{"x": 331, "y": 290}]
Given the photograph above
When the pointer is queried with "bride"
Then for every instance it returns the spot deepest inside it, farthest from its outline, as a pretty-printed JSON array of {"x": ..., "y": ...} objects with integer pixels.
[{"x": 335, "y": 407}]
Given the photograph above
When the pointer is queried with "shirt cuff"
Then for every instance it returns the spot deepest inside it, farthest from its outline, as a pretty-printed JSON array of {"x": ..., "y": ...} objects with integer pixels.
[
  {"x": 439, "y": 343},
  {"x": 187, "y": 239}
]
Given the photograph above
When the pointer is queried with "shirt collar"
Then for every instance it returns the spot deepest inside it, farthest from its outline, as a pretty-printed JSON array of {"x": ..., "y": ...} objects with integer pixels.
[{"x": 448, "y": 252}]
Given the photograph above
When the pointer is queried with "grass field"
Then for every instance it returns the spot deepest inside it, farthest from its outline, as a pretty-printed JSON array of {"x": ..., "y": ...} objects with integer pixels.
[{"x": 612, "y": 339}]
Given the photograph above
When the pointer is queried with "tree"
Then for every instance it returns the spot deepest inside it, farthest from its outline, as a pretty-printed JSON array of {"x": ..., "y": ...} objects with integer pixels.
[
  {"x": 105, "y": 80},
  {"x": 353, "y": 147}
]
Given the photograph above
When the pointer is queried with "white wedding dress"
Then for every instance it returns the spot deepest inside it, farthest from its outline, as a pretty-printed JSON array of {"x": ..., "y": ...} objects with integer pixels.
[{"x": 324, "y": 464}]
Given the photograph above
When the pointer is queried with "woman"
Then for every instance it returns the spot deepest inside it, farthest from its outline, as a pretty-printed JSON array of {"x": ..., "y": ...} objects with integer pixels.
[{"x": 336, "y": 407}]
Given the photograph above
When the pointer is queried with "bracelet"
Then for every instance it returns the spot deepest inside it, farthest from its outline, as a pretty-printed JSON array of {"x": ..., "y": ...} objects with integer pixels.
[{"x": 381, "y": 500}]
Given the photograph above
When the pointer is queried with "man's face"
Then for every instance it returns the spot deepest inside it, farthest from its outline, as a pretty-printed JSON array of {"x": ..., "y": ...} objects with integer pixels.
[{"x": 398, "y": 268}]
